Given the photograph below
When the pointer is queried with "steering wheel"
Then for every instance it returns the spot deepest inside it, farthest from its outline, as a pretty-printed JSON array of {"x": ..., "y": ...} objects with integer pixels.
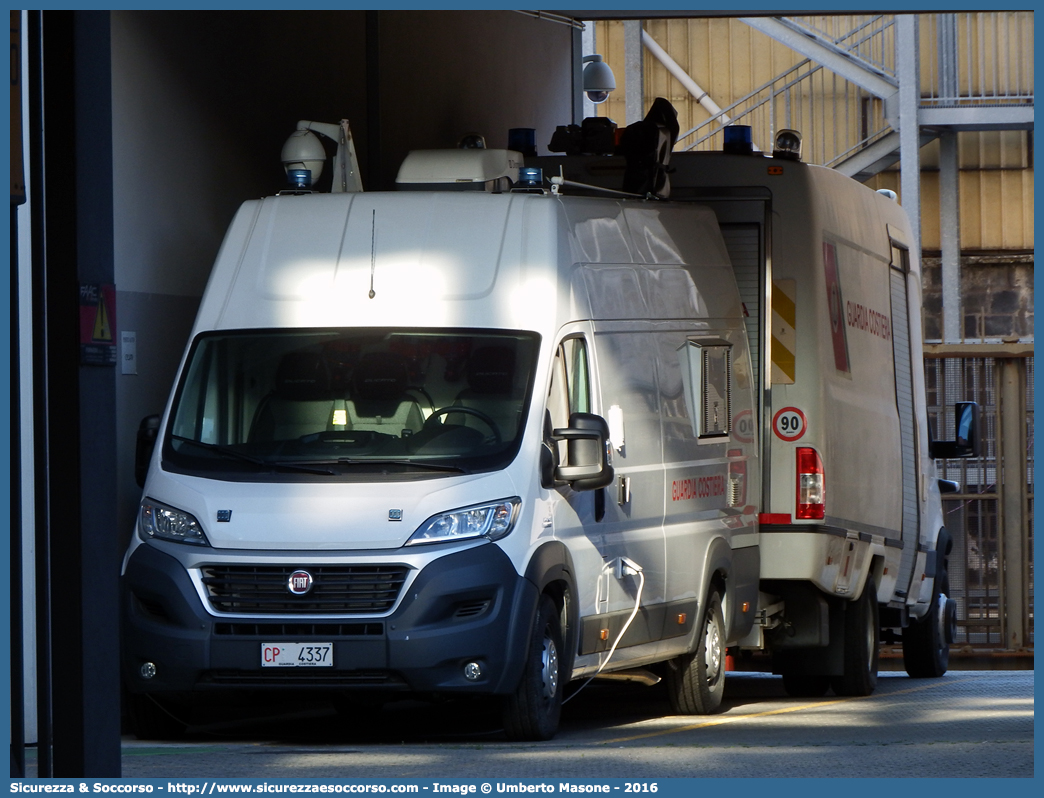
[{"x": 471, "y": 411}]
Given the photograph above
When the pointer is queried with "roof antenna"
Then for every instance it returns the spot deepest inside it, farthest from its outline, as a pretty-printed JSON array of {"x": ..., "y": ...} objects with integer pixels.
[{"x": 373, "y": 249}]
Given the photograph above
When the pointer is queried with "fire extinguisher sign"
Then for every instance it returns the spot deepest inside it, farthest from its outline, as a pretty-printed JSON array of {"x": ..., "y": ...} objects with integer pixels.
[
  {"x": 97, "y": 324},
  {"x": 789, "y": 424}
]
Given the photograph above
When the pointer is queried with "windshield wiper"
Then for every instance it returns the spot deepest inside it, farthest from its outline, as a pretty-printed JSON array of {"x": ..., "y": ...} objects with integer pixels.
[
  {"x": 349, "y": 461},
  {"x": 418, "y": 464},
  {"x": 229, "y": 452}
]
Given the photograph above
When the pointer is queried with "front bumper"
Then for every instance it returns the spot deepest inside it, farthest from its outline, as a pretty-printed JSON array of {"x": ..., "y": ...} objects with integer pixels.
[{"x": 467, "y": 606}]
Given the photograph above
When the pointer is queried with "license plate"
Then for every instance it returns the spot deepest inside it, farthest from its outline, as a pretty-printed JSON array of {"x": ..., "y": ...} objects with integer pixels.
[{"x": 297, "y": 655}]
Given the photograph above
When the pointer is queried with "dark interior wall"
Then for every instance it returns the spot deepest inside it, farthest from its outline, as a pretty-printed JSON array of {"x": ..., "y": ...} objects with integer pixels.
[
  {"x": 202, "y": 103},
  {"x": 448, "y": 73}
]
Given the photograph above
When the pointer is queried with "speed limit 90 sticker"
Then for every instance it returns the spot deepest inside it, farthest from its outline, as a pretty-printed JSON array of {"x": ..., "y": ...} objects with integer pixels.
[{"x": 789, "y": 424}]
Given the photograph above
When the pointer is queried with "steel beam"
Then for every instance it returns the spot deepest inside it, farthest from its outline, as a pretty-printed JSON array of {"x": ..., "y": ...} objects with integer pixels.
[
  {"x": 979, "y": 117},
  {"x": 962, "y": 350},
  {"x": 878, "y": 156},
  {"x": 950, "y": 238},
  {"x": 908, "y": 70}
]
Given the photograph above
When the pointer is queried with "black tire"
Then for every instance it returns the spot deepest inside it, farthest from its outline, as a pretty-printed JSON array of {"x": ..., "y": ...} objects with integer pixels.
[
  {"x": 156, "y": 719},
  {"x": 359, "y": 708},
  {"x": 862, "y": 645},
  {"x": 926, "y": 644},
  {"x": 803, "y": 685},
  {"x": 532, "y": 712},
  {"x": 696, "y": 681}
]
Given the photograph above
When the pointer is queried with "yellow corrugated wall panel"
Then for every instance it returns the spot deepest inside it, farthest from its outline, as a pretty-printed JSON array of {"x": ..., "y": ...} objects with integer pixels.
[
  {"x": 996, "y": 208},
  {"x": 610, "y": 38},
  {"x": 728, "y": 60}
]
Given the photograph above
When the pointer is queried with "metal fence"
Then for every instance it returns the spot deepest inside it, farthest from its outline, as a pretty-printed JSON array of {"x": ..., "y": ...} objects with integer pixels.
[{"x": 991, "y": 517}]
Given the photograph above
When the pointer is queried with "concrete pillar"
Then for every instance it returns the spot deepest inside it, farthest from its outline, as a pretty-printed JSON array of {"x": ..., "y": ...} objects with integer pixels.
[
  {"x": 588, "y": 46},
  {"x": 634, "y": 72}
]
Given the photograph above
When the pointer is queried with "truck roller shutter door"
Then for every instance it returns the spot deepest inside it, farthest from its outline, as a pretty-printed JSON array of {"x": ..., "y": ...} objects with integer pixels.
[
  {"x": 904, "y": 404},
  {"x": 743, "y": 242}
]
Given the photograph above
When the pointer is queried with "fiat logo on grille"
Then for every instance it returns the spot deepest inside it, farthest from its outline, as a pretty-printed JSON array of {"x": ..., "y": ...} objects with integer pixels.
[{"x": 299, "y": 583}]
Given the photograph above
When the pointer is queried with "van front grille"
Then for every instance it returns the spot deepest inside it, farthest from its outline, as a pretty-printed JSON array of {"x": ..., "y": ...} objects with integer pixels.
[
  {"x": 295, "y": 630},
  {"x": 301, "y": 678},
  {"x": 336, "y": 589}
]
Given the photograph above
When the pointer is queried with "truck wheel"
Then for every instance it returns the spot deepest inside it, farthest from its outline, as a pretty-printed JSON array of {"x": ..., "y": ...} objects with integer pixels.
[
  {"x": 926, "y": 642},
  {"x": 803, "y": 685},
  {"x": 861, "y": 644},
  {"x": 533, "y": 710},
  {"x": 696, "y": 682},
  {"x": 153, "y": 720}
]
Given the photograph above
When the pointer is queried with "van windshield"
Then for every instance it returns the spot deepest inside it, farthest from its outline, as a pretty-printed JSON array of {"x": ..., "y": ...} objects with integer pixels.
[{"x": 270, "y": 404}]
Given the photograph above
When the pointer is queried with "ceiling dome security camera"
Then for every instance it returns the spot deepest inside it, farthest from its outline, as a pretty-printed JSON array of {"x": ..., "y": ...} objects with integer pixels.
[{"x": 598, "y": 79}]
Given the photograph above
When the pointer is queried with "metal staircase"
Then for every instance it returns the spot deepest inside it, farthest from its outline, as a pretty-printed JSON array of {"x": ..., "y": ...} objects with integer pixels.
[{"x": 844, "y": 95}]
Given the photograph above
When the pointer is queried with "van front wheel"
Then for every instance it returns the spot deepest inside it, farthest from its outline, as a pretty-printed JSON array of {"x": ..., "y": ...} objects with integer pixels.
[
  {"x": 532, "y": 712},
  {"x": 153, "y": 720},
  {"x": 696, "y": 682},
  {"x": 926, "y": 642},
  {"x": 861, "y": 644}
]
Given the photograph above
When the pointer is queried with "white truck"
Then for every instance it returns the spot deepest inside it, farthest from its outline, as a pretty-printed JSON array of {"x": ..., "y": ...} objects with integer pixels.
[{"x": 504, "y": 432}]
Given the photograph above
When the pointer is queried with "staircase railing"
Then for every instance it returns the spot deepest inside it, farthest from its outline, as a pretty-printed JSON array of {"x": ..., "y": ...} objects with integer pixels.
[{"x": 808, "y": 98}]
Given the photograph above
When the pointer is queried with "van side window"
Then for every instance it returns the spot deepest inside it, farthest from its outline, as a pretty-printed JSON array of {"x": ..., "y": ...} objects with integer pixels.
[
  {"x": 570, "y": 384},
  {"x": 579, "y": 384}
]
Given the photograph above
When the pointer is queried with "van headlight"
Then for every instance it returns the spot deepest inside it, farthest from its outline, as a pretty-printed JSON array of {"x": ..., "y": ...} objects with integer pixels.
[
  {"x": 492, "y": 521},
  {"x": 157, "y": 520}
]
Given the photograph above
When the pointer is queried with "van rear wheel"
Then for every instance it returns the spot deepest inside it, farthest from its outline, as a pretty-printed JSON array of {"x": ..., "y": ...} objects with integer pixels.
[
  {"x": 532, "y": 712},
  {"x": 696, "y": 682},
  {"x": 861, "y": 645}
]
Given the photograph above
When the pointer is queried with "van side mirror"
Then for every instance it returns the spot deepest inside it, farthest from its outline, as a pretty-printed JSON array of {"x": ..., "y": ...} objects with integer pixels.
[
  {"x": 586, "y": 438},
  {"x": 968, "y": 434},
  {"x": 147, "y": 433}
]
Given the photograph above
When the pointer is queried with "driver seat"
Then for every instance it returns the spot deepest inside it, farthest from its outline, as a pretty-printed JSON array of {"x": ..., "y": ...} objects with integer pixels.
[{"x": 491, "y": 378}]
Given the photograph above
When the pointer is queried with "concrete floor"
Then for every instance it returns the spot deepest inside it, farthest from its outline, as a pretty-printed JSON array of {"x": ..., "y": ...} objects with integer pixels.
[{"x": 966, "y": 724}]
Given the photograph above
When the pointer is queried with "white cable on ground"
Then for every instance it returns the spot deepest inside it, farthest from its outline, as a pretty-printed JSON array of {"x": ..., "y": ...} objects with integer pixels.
[{"x": 619, "y": 637}]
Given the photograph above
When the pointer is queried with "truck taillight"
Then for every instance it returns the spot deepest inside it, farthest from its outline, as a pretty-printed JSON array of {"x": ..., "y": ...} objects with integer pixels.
[
  {"x": 737, "y": 494},
  {"x": 810, "y": 491}
]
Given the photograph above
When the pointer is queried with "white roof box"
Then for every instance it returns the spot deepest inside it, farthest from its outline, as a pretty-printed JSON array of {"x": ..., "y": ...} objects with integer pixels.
[{"x": 459, "y": 166}]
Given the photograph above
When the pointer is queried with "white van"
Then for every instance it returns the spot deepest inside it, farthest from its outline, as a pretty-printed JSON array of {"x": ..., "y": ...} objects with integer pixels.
[
  {"x": 451, "y": 442},
  {"x": 488, "y": 442}
]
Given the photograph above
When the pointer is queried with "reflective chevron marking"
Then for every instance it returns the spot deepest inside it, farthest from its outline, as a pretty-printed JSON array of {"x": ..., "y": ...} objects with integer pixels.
[{"x": 784, "y": 339}]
